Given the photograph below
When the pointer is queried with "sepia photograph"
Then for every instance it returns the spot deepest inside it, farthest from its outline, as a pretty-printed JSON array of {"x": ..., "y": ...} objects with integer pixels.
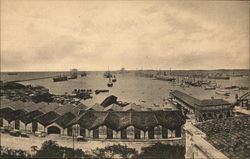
[{"x": 125, "y": 79}]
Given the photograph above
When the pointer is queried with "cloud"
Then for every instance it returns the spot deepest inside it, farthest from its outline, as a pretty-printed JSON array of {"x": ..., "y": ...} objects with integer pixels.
[{"x": 94, "y": 35}]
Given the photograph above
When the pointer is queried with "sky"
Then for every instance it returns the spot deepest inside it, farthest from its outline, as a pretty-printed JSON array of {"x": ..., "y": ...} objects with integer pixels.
[{"x": 59, "y": 35}]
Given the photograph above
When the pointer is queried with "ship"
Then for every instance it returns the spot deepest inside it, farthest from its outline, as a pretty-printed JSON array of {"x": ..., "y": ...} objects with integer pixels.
[
  {"x": 164, "y": 78},
  {"x": 73, "y": 74},
  {"x": 107, "y": 75},
  {"x": 110, "y": 84},
  {"x": 114, "y": 79},
  {"x": 60, "y": 78},
  {"x": 219, "y": 77},
  {"x": 12, "y": 73},
  {"x": 83, "y": 74}
]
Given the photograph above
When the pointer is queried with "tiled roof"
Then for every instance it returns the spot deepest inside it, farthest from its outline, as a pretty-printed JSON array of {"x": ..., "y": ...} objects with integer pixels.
[
  {"x": 15, "y": 115},
  {"x": 229, "y": 135},
  {"x": 4, "y": 112},
  {"x": 132, "y": 107},
  {"x": 29, "y": 117},
  {"x": 96, "y": 107},
  {"x": 113, "y": 107},
  {"x": 65, "y": 119},
  {"x": 47, "y": 118},
  {"x": 48, "y": 107},
  {"x": 143, "y": 120}
]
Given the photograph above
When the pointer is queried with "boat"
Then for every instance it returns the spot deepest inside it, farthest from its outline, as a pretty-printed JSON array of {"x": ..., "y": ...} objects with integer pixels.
[
  {"x": 83, "y": 74},
  {"x": 12, "y": 73},
  {"x": 114, "y": 79},
  {"x": 210, "y": 88},
  {"x": 222, "y": 92},
  {"x": 60, "y": 78},
  {"x": 73, "y": 74},
  {"x": 107, "y": 75},
  {"x": 231, "y": 87},
  {"x": 110, "y": 84},
  {"x": 101, "y": 91},
  {"x": 73, "y": 77},
  {"x": 164, "y": 78},
  {"x": 219, "y": 76}
]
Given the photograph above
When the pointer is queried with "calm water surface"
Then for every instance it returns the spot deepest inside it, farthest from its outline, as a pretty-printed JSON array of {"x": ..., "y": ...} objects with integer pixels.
[{"x": 129, "y": 88}]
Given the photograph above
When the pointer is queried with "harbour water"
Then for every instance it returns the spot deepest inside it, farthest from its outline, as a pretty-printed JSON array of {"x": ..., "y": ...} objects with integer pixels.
[{"x": 128, "y": 88}]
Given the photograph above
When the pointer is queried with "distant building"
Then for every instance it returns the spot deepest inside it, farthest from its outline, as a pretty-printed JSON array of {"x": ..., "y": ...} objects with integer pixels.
[
  {"x": 202, "y": 109},
  {"x": 219, "y": 138}
]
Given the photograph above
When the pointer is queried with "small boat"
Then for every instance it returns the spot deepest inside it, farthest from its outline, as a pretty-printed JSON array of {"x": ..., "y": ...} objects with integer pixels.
[
  {"x": 60, "y": 78},
  {"x": 107, "y": 75},
  {"x": 222, "y": 92},
  {"x": 83, "y": 74},
  {"x": 114, "y": 79},
  {"x": 110, "y": 84},
  {"x": 12, "y": 73},
  {"x": 101, "y": 91},
  {"x": 209, "y": 88}
]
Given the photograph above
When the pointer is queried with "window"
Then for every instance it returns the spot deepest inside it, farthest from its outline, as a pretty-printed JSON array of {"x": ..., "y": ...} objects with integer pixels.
[
  {"x": 164, "y": 133},
  {"x": 137, "y": 133},
  {"x": 34, "y": 126},
  {"x": 1, "y": 122},
  {"x": 96, "y": 133},
  {"x": 151, "y": 134},
  {"x": 109, "y": 133},
  {"x": 82, "y": 132},
  {"x": 69, "y": 131},
  {"x": 17, "y": 124},
  {"x": 124, "y": 133},
  {"x": 178, "y": 132}
]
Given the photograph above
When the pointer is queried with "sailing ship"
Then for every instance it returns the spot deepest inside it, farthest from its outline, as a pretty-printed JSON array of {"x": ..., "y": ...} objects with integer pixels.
[
  {"x": 114, "y": 79},
  {"x": 73, "y": 74},
  {"x": 107, "y": 75},
  {"x": 110, "y": 84}
]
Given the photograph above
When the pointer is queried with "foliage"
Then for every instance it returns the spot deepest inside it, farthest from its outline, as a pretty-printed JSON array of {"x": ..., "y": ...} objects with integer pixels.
[
  {"x": 12, "y": 153},
  {"x": 115, "y": 151},
  {"x": 162, "y": 151},
  {"x": 50, "y": 149}
]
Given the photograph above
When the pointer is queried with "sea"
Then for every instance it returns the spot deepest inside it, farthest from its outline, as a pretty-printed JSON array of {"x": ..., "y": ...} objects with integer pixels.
[{"x": 128, "y": 88}]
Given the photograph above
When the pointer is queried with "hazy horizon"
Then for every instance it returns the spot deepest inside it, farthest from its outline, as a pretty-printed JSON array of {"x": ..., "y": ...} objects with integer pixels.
[
  {"x": 137, "y": 70},
  {"x": 94, "y": 35}
]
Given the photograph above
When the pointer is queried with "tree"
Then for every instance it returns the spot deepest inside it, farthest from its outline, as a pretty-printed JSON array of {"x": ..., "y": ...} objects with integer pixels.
[
  {"x": 162, "y": 151},
  {"x": 115, "y": 151},
  {"x": 50, "y": 149}
]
